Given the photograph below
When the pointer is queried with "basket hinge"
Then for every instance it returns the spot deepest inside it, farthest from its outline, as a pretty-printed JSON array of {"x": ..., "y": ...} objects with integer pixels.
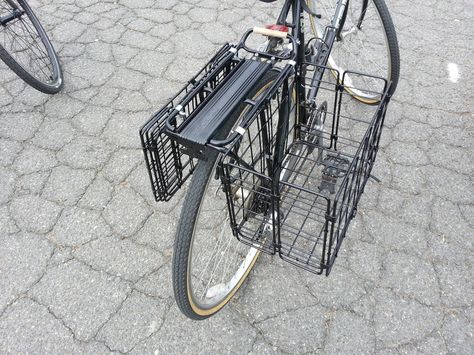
[
  {"x": 339, "y": 87},
  {"x": 330, "y": 218}
]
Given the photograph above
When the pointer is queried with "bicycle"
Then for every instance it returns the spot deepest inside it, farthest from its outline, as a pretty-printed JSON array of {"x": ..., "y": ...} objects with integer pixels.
[
  {"x": 26, "y": 48},
  {"x": 278, "y": 151}
]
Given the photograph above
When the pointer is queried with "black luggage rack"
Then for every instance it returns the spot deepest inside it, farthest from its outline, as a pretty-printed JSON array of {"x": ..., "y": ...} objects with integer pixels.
[
  {"x": 167, "y": 165},
  {"x": 300, "y": 207},
  {"x": 185, "y": 127}
]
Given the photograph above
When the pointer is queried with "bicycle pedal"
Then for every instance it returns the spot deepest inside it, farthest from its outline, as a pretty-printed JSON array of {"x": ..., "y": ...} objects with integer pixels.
[{"x": 335, "y": 167}]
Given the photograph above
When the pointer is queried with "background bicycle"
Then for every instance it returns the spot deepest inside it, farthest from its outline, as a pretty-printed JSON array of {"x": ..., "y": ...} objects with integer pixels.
[{"x": 26, "y": 48}]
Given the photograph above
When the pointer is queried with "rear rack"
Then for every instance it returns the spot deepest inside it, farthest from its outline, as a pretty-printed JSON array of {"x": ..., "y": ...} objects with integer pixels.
[
  {"x": 183, "y": 129},
  {"x": 167, "y": 166}
]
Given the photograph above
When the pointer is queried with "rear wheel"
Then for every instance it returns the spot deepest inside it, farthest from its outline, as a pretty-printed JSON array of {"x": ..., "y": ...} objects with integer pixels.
[
  {"x": 26, "y": 49},
  {"x": 209, "y": 263},
  {"x": 367, "y": 44}
]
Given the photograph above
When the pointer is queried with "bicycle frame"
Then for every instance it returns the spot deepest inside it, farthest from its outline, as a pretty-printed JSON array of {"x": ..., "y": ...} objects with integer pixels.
[
  {"x": 322, "y": 56},
  {"x": 17, "y": 13}
]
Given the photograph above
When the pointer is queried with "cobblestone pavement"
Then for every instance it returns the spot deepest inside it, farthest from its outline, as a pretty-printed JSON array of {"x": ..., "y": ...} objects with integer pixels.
[{"x": 85, "y": 251}]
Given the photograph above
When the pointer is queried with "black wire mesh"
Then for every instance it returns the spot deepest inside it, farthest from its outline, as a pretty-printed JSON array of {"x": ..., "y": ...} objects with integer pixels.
[
  {"x": 167, "y": 165},
  {"x": 300, "y": 206}
]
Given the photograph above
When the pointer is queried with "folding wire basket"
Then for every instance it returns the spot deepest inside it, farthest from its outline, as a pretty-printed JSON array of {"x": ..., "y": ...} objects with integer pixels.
[
  {"x": 167, "y": 162},
  {"x": 300, "y": 206}
]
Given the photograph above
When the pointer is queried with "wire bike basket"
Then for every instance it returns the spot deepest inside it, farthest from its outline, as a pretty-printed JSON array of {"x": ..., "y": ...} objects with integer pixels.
[
  {"x": 168, "y": 165},
  {"x": 182, "y": 131},
  {"x": 300, "y": 207}
]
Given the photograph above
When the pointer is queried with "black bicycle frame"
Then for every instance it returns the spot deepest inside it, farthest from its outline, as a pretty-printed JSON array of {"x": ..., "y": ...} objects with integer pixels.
[
  {"x": 332, "y": 34},
  {"x": 16, "y": 13}
]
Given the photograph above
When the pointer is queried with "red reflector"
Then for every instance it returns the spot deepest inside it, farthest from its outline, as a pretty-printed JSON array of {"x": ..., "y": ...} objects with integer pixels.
[{"x": 281, "y": 28}]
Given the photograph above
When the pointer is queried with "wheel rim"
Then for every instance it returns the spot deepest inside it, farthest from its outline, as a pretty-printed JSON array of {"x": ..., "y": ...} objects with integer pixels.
[
  {"x": 22, "y": 41},
  {"x": 364, "y": 50},
  {"x": 209, "y": 250}
]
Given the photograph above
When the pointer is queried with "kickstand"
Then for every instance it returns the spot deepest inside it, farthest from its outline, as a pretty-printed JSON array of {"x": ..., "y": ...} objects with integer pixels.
[{"x": 375, "y": 178}]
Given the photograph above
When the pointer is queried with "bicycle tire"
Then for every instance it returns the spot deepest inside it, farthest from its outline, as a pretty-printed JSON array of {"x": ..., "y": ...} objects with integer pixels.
[
  {"x": 48, "y": 87},
  {"x": 185, "y": 237},
  {"x": 393, "y": 74}
]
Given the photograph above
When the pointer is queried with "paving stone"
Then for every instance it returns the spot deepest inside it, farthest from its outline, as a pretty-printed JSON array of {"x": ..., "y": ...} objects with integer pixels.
[
  {"x": 120, "y": 257},
  {"x": 399, "y": 320},
  {"x": 139, "y": 40},
  {"x": 20, "y": 126},
  {"x": 406, "y": 154},
  {"x": 67, "y": 185},
  {"x": 340, "y": 289},
  {"x": 454, "y": 270},
  {"x": 286, "y": 296},
  {"x": 92, "y": 120},
  {"x": 157, "y": 90},
  {"x": 99, "y": 51},
  {"x": 60, "y": 256},
  {"x": 33, "y": 213},
  {"x": 54, "y": 135},
  {"x": 349, "y": 334},
  {"x": 7, "y": 224},
  {"x": 84, "y": 153},
  {"x": 131, "y": 101},
  {"x": 78, "y": 226},
  {"x": 139, "y": 317},
  {"x": 96, "y": 73},
  {"x": 126, "y": 212},
  {"x": 32, "y": 183},
  {"x": 7, "y": 184},
  {"x": 448, "y": 221},
  {"x": 449, "y": 185},
  {"x": 88, "y": 298},
  {"x": 158, "y": 283},
  {"x": 33, "y": 159},
  {"x": 150, "y": 62},
  {"x": 121, "y": 164},
  {"x": 458, "y": 333},
  {"x": 121, "y": 130},
  {"x": 224, "y": 333},
  {"x": 453, "y": 158},
  {"x": 158, "y": 232},
  {"x": 127, "y": 79},
  {"x": 8, "y": 151},
  {"x": 155, "y": 15},
  {"x": 23, "y": 259},
  {"x": 396, "y": 234},
  {"x": 201, "y": 15},
  {"x": 433, "y": 344},
  {"x": 68, "y": 31},
  {"x": 364, "y": 259},
  {"x": 62, "y": 107},
  {"x": 298, "y": 331},
  {"x": 261, "y": 347},
  {"x": 411, "y": 277},
  {"x": 27, "y": 327},
  {"x": 97, "y": 195}
]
